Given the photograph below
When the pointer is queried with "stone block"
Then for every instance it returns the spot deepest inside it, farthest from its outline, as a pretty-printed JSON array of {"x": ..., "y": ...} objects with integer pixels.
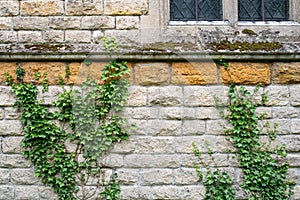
[
  {"x": 7, "y": 192},
  {"x": 30, "y": 36},
  {"x": 27, "y": 193},
  {"x": 4, "y": 177},
  {"x": 127, "y": 22},
  {"x": 137, "y": 96},
  {"x": 191, "y": 192},
  {"x": 125, "y": 38},
  {"x": 42, "y": 7},
  {"x": 285, "y": 112},
  {"x": 127, "y": 146},
  {"x": 194, "y": 73},
  {"x": 135, "y": 192},
  {"x": 10, "y": 68},
  {"x": 177, "y": 113},
  {"x": 112, "y": 160},
  {"x": 205, "y": 143},
  {"x": 296, "y": 192},
  {"x": 156, "y": 177},
  {"x": 98, "y": 36},
  {"x": 207, "y": 113},
  {"x": 145, "y": 145},
  {"x": 225, "y": 144},
  {"x": 83, "y": 7},
  {"x": 13, "y": 161},
  {"x": 8, "y": 36},
  {"x": 63, "y": 23},
  {"x": 295, "y": 126},
  {"x": 283, "y": 125},
  {"x": 128, "y": 176},
  {"x": 165, "y": 96},
  {"x": 286, "y": 73},
  {"x": 23, "y": 177},
  {"x": 76, "y": 36},
  {"x": 97, "y": 22},
  {"x": 295, "y": 95},
  {"x": 31, "y": 23},
  {"x": 293, "y": 159},
  {"x": 125, "y": 7},
  {"x": 80, "y": 72},
  {"x": 151, "y": 161},
  {"x": 164, "y": 128},
  {"x": 53, "y": 36},
  {"x": 277, "y": 95},
  {"x": 47, "y": 193},
  {"x": 9, "y": 8},
  {"x": 215, "y": 127},
  {"x": 152, "y": 74},
  {"x": 11, "y": 145},
  {"x": 12, "y": 113},
  {"x": 1, "y": 114},
  {"x": 140, "y": 126},
  {"x": 185, "y": 176},
  {"x": 144, "y": 113},
  {"x": 165, "y": 192},
  {"x": 215, "y": 160},
  {"x": 246, "y": 73},
  {"x": 266, "y": 111},
  {"x": 10, "y": 127},
  {"x": 204, "y": 96},
  {"x": 6, "y": 23},
  {"x": 292, "y": 142},
  {"x": 193, "y": 127}
]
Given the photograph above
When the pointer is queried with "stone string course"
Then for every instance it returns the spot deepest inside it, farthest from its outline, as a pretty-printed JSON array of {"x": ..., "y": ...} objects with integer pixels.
[{"x": 172, "y": 106}]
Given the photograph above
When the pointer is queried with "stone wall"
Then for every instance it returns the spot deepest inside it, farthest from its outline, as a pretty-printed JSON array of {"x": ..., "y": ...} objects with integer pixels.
[{"x": 172, "y": 105}]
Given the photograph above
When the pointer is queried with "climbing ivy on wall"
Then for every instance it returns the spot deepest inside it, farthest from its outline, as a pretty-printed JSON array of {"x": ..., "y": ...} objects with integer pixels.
[
  {"x": 65, "y": 145},
  {"x": 264, "y": 168}
]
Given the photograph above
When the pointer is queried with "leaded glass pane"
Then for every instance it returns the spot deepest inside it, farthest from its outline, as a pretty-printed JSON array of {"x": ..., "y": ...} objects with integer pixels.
[
  {"x": 276, "y": 9},
  {"x": 250, "y": 10},
  {"x": 195, "y": 10},
  {"x": 209, "y": 10}
]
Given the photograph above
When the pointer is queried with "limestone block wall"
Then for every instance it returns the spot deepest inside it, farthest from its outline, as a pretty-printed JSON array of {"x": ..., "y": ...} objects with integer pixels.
[{"x": 172, "y": 105}]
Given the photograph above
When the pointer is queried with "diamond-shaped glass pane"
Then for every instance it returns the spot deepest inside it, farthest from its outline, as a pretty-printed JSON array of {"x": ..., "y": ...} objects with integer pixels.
[
  {"x": 276, "y": 9},
  {"x": 209, "y": 10},
  {"x": 250, "y": 10},
  {"x": 195, "y": 10},
  {"x": 183, "y": 10}
]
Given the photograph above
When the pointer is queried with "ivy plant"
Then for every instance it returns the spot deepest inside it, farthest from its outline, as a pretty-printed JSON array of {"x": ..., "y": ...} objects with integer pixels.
[{"x": 89, "y": 120}]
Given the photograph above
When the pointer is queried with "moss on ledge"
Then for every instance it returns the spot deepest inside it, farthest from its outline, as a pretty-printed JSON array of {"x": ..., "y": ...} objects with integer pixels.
[{"x": 245, "y": 46}]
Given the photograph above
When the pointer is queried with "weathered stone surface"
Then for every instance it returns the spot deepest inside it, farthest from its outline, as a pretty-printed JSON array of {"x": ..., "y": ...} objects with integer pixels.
[
  {"x": 292, "y": 142},
  {"x": 10, "y": 68},
  {"x": 283, "y": 125},
  {"x": 42, "y": 7},
  {"x": 220, "y": 160},
  {"x": 165, "y": 192},
  {"x": 76, "y": 36},
  {"x": 12, "y": 113},
  {"x": 84, "y": 7},
  {"x": 4, "y": 177},
  {"x": 246, "y": 73},
  {"x": 135, "y": 192},
  {"x": 215, "y": 127},
  {"x": 165, "y": 96},
  {"x": 127, "y": 22},
  {"x": 194, "y": 73},
  {"x": 98, "y": 36},
  {"x": 128, "y": 176},
  {"x": 94, "y": 70},
  {"x": 27, "y": 193},
  {"x": 30, "y": 36},
  {"x": 13, "y": 161},
  {"x": 10, "y": 127},
  {"x": 125, "y": 38},
  {"x": 23, "y": 177},
  {"x": 47, "y": 193},
  {"x": 6, "y": 192},
  {"x": 9, "y": 7},
  {"x": 278, "y": 95},
  {"x": 152, "y": 74},
  {"x": 156, "y": 177},
  {"x": 295, "y": 95},
  {"x": 47, "y": 98},
  {"x": 177, "y": 113},
  {"x": 112, "y": 160},
  {"x": 203, "y": 95},
  {"x": 193, "y": 127},
  {"x": 296, "y": 192},
  {"x": 265, "y": 111},
  {"x": 146, "y": 145},
  {"x": 127, "y": 146},
  {"x": 295, "y": 126},
  {"x": 53, "y": 36},
  {"x": 207, "y": 113},
  {"x": 144, "y": 113},
  {"x": 8, "y": 36},
  {"x": 30, "y": 23},
  {"x": 137, "y": 96},
  {"x": 148, "y": 161},
  {"x": 53, "y": 70},
  {"x": 65, "y": 22},
  {"x": 97, "y": 22},
  {"x": 125, "y": 7},
  {"x": 286, "y": 73},
  {"x": 11, "y": 144},
  {"x": 184, "y": 144},
  {"x": 5, "y": 23},
  {"x": 164, "y": 127},
  {"x": 186, "y": 176},
  {"x": 285, "y": 112}
]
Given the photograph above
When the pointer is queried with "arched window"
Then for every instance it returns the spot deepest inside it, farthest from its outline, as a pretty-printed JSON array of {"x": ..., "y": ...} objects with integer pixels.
[
  {"x": 263, "y": 10},
  {"x": 196, "y": 10}
]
